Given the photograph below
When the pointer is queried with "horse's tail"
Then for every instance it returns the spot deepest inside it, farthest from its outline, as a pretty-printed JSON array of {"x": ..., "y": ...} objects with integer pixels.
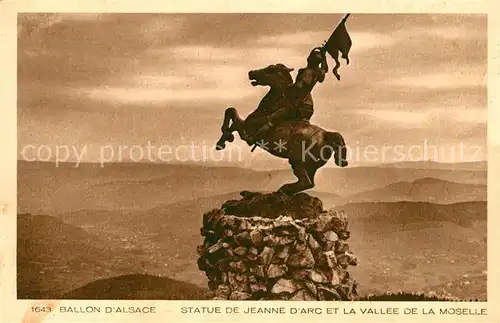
[{"x": 337, "y": 142}]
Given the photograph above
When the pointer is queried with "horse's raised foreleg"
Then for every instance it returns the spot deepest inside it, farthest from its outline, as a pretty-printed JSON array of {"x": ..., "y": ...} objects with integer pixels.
[
  {"x": 228, "y": 116},
  {"x": 232, "y": 122},
  {"x": 301, "y": 171}
]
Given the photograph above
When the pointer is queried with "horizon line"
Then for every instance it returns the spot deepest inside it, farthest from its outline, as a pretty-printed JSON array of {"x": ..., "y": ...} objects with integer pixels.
[{"x": 229, "y": 164}]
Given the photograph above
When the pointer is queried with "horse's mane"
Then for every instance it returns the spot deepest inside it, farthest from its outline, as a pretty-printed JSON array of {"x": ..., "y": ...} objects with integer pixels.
[{"x": 285, "y": 69}]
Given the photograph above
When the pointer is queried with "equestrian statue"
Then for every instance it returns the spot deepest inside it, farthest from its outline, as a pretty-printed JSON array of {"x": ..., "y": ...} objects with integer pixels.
[{"x": 280, "y": 125}]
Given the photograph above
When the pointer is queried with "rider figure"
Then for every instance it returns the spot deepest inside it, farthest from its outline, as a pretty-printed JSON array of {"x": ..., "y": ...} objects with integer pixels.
[{"x": 300, "y": 105}]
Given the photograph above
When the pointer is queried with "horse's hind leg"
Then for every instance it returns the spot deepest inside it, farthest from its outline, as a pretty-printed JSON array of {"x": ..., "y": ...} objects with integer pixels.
[
  {"x": 311, "y": 172},
  {"x": 340, "y": 151},
  {"x": 301, "y": 171}
]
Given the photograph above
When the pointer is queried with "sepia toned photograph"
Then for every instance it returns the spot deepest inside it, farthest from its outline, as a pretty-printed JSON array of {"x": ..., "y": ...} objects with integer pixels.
[{"x": 252, "y": 156}]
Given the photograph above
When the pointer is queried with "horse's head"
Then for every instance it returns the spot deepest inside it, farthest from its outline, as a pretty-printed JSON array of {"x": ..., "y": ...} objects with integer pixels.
[{"x": 274, "y": 76}]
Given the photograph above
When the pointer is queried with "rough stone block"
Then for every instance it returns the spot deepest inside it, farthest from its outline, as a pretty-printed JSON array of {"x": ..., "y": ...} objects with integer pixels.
[{"x": 271, "y": 246}]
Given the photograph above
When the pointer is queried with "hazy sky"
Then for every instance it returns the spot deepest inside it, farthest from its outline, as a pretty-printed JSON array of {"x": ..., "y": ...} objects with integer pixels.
[{"x": 129, "y": 79}]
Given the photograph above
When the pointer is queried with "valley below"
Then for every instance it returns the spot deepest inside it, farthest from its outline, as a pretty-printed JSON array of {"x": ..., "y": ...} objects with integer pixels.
[{"x": 414, "y": 229}]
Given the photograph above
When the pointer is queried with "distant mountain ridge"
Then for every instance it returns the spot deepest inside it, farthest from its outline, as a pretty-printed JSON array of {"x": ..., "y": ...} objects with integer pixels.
[
  {"x": 49, "y": 252},
  {"x": 459, "y": 213},
  {"x": 174, "y": 232},
  {"x": 427, "y": 189},
  {"x": 42, "y": 187},
  {"x": 473, "y": 165},
  {"x": 136, "y": 287},
  {"x": 416, "y": 226},
  {"x": 153, "y": 212},
  {"x": 147, "y": 287}
]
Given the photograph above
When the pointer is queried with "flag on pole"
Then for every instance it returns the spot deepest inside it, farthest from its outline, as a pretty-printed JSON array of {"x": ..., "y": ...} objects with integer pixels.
[{"x": 339, "y": 41}]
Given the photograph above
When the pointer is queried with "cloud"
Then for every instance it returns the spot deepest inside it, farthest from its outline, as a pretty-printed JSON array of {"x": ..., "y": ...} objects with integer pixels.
[
  {"x": 156, "y": 95},
  {"x": 245, "y": 57},
  {"x": 159, "y": 30},
  {"x": 362, "y": 40},
  {"x": 443, "y": 80},
  {"x": 428, "y": 116},
  {"x": 469, "y": 115},
  {"x": 420, "y": 76},
  {"x": 31, "y": 23},
  {"x": 398, "y": 117},
  {"x": 195, "y": 82},
  {"x": 158, "y": 80},
  {"x": 196, "y": 53},
  {"x": 455, "y": 32},
  {"x": 190, "y": 73},
  {"x": 293, "y": 39}
]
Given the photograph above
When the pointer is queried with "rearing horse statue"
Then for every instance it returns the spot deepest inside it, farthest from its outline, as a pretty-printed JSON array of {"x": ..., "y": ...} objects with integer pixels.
[{"x": 307, "y": 147}]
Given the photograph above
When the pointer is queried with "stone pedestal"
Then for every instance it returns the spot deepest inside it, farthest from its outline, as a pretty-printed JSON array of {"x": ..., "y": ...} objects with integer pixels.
[{"x": 297, "y": 251}]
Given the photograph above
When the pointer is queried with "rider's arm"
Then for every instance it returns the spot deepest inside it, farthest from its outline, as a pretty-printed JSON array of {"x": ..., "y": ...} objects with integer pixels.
[
  {"x": 323, "y": 67},
  {"x": 322, "y": 74}
]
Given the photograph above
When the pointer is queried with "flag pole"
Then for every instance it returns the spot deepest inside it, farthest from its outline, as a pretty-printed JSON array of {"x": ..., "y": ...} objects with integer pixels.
[
  {"x": 341, "y": 22},
  {"x": 345, "y": 18}
]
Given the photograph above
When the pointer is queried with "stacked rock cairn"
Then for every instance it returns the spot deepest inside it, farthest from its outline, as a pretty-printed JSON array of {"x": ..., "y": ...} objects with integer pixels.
[{"x": 299, "y": 253}]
